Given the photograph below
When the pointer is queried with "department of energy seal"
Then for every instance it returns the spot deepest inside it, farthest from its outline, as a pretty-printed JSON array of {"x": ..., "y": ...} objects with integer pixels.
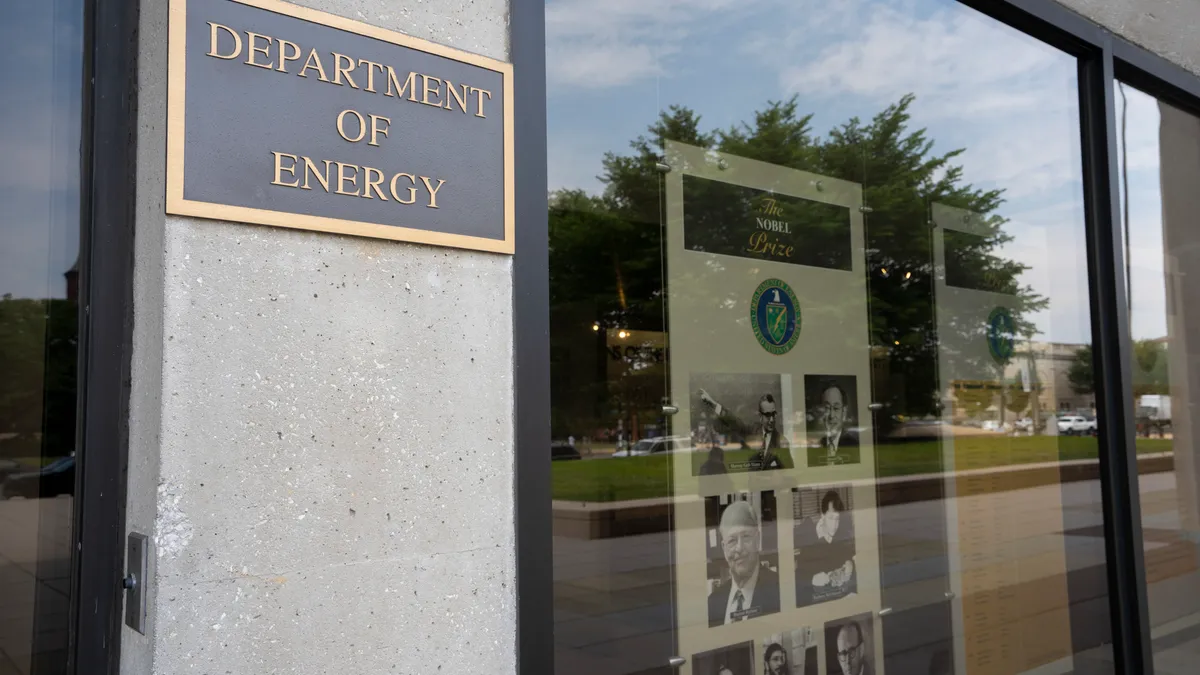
[
  {"x": 1000, "y": 331},
  {"x": 775, "y": 316}
]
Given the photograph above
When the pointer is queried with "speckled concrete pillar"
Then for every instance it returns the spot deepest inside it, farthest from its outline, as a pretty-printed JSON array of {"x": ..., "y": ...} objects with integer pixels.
[{"x": 321, "y": 426}]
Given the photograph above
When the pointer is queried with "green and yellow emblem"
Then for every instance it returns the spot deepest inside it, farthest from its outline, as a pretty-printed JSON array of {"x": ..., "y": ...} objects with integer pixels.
[{"x": 775, "y": 316}]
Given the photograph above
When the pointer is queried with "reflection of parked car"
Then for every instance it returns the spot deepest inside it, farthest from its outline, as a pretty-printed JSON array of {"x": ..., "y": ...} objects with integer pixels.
[
  {"x": 656, "y": 446},
  {"x": 56, "y": 478},
  {"x": 563, "y": 451},
  {"x": 1023, "y": 424},
  {"x": 1076, "y": 425}
]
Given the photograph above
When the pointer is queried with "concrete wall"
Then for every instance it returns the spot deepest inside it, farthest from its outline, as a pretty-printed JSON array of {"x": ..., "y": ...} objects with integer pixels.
[
  {"x": 321, "y": 426},
  {"x": 1165, "y": 27}
]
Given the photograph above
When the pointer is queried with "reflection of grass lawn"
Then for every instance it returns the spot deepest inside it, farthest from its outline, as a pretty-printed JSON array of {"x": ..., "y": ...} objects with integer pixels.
[{"x": 604, "y": 480}]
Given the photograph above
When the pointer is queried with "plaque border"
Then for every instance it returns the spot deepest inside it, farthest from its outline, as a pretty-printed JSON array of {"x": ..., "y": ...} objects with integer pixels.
[{"x": 177, "y": 204}]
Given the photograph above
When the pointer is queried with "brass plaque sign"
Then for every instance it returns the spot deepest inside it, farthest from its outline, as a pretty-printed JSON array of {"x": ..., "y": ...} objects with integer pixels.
[{"x": 286, "y": 116}]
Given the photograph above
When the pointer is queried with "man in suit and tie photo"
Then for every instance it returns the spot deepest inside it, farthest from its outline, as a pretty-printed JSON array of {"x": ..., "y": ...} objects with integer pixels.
[
  {"x": 752, "y": 588},
  {"x": 831, "y": 404}
]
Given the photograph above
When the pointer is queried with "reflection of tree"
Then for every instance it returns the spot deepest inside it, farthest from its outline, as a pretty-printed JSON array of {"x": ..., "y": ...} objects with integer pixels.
[
  {"x": 1079, "y": 373},
  {"x": 37, "y": 390},
  {"x": 1150, "y": 375},
  {"x": 606, "y": 251},
  {"x": 1017, "y": 399},
  {"x": 975, "y": 398}
]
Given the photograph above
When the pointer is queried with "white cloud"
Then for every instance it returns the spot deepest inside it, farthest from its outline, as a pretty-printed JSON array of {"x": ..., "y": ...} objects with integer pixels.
[
  {"x": 600, "y": 44},
  {"x": 1006, "y": 98}
]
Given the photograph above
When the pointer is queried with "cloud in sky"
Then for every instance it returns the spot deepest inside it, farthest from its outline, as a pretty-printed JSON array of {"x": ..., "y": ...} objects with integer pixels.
[
  {"x": 1009, "y": 100},
  {"x": 601, "y": 44},
  {"x": 1005, "y": 97}
]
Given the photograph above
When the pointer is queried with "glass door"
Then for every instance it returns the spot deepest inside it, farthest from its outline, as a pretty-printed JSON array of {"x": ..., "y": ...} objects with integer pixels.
[
  {"x": 821, "y": 367},
  {"x": 40, "y": 132}
]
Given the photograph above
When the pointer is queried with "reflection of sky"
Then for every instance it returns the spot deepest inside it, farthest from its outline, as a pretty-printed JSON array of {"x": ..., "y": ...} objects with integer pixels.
[
  {"x": 1148, "y": 316},
  {"x": 1009, "y": 100},
  {"x": 39, "y": 134}
]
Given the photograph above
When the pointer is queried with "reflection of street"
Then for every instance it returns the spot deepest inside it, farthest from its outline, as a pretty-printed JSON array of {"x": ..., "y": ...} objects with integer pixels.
[
  {"x": 33, "y": 611},
  {"x": 613, "y": 597}
]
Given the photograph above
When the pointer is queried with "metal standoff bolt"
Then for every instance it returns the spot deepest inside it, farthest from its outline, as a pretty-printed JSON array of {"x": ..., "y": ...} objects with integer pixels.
[
  {"x": 885, "y": 611},
  {"x": 949, "y": 595},
  {"x": 676, "y": 661},
  {"x": 722, "y": 164},
  {"x": 818, "y": 185},
  {"x": 129, "y": 583},
  {"x": 662, "y": 167},
  {"x": 865, "y": 209},
  {"x": 669, "y": 409}
]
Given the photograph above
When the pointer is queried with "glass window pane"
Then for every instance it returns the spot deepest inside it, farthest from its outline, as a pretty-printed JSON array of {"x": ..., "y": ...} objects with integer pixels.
[
  {"x": 820, "y": 335},
  {"x": 1159, "y": 155},
  {"x": 40, "y": 127}
]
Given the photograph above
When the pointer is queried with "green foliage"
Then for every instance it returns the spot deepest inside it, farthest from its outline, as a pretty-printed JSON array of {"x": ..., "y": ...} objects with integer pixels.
[
  {"x": 38, "y": 343},
  {"x": 1080, "y": 373},
  {"x": 607, "y": 257},
  {"x": 1016, "y": 398}
]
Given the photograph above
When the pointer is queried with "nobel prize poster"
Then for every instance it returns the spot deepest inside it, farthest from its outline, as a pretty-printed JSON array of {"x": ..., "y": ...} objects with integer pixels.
[
  {"x": 770, "y": 375},
  {"x": 984, "y": 334}
]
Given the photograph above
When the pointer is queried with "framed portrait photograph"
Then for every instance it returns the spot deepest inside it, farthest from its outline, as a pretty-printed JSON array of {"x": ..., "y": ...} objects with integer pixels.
[{"x": 743, "y": 557}]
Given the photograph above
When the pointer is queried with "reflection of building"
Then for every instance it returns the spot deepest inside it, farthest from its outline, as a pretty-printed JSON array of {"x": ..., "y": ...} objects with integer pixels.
[{"x": 1041, "y": 366}]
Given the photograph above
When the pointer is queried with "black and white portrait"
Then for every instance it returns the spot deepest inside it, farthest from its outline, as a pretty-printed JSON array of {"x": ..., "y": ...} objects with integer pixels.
[
  {"x": 831, "y": 405},
  {"x": 743, "y": 559},
  {"x": 790, "y": 653},
  {"x": 823, "y": 535},
  {"x": 732, "y": 660},
  {"x": 738, "y": 422},
  {"x": 850, "y": 646}
]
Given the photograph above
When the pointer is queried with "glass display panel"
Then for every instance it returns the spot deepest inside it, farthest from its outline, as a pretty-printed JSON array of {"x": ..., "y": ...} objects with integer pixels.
[
  {"x": 40, "y": 134},
  {"x": 1159, "y": 161},
  {"x": 820, "y": 360}
]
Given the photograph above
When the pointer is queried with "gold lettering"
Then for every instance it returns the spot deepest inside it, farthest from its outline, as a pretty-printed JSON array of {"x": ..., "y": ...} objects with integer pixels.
[
  {"x": 371, "y": 65},
  {"x": 437, "y": 91},
  {"x": 412, "y": 191},
  {"x": 481, "y": 93},
  {"x": 342, "y": 178},
  {"x": 410, "y": 85},
  {"x": 279, "y": 169},
  {"x": 432, "y": 190},
  {"x": 265, "y": 51},
  {"x": 760, "y": 243},
  {"x": 372, "y": 184},
  {"x": 376, "y": 129},
  {"x": 323, "y": 179},
  {"x": 452, "y": 92},
  {"x": 314, "y": 58},
  {"x": 339, "y": 70},
  {"x": 770, "y": 207},
  {"x": 283, "y": 57},
  {"x": 362, "y": 126},
  {"x": 212, "y": 49}
]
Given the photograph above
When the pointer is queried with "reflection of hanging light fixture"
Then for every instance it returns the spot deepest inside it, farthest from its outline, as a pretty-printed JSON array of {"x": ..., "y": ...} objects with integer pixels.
[
  {"x": 622, "y": 335},
  {"x": 908, "y": 275},
  {"x": 596, "y": 326},
  {"x": 883, "y": 271},
  {"x": 897, "y": 342}
]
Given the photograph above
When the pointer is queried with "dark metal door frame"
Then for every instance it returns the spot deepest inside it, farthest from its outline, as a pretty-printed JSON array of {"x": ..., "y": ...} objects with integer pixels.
[{"x": 108, "y": 176}]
